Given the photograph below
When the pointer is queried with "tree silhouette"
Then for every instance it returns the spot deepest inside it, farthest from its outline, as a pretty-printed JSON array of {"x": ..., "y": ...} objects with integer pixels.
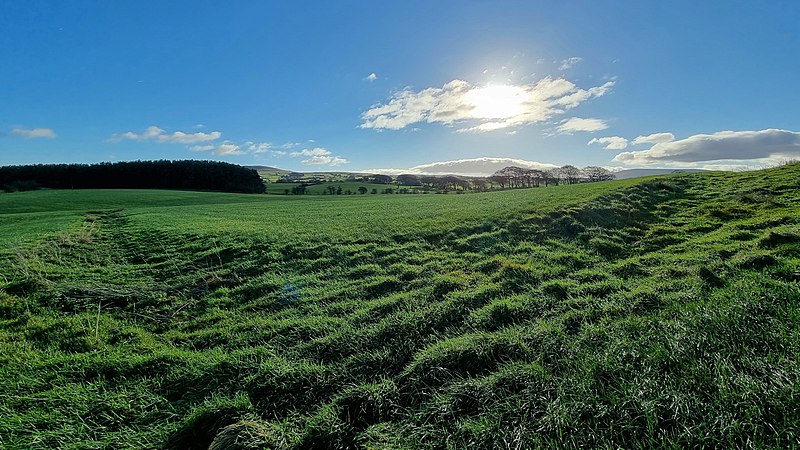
[
  {"x": 381, "y": 179},
  {"x": 408, "y": 180},
  {"x": 196, "y": 175}
]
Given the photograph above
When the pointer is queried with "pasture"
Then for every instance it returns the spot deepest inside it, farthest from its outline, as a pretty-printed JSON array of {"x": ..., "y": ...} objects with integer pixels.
[{"x": 644, "y": 313}]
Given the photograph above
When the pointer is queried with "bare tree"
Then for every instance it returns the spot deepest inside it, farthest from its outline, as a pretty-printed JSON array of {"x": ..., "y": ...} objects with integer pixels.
[
  {"x": 537, "y": 176},
  {"x": 499, "y": 180},
  {"x": 515, "y": 176},
  {"x": 597, "y": 173},
  {"x": 455, "y": 182},
  {"x": 552, "y": 176},
  {"x": 570, "y": 174}
]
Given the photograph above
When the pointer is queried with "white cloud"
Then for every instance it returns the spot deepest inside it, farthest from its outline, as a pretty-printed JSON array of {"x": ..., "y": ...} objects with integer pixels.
[
  {"x": 224, "y": 149},
  {"x": 322, "y": 160},
  {"x": 318, "y": 151},
  {"x": 259, "y": 147},
  {"x": 189, "y": 138},
  {"x": 33, "y": 132},
  {"x": 371, "y": 77},
  {"x": 655, "y": 138},
  {"x": 318, "y": 156},
  {"x": 477, "y": 167},
  {"x": 481, "y": 108},
  {"x": 154, "y": 133},
  {"x": 724, "y": 148},
  {"x": 486, "y": 126},
  {"x": 573, "y": 124},
  {"x": 228, "y": 148},
  {"x": 569, "y": 62},
  {"x": 610, "y": 142}
]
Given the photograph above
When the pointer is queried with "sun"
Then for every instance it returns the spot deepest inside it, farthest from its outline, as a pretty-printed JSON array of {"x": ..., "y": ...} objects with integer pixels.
[{"x": 496, "y": 101}]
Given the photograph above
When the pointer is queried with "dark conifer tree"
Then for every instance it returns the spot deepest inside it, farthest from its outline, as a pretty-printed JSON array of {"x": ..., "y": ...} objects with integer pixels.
[{"x": 191, "y": 175}]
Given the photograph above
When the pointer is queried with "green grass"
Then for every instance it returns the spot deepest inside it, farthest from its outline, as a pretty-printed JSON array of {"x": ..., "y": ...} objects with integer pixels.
[
  {"x": 322, "y": 188},
  {"x": 633, "y": 314},
  {"x": 26, "y": 215}
]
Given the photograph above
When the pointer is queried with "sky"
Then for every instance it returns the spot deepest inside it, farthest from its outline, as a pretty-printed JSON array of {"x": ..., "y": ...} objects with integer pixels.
[{"x": 402, "y": 87}]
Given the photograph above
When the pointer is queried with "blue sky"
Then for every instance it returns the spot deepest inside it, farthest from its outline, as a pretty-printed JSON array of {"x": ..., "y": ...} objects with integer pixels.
[{"x": 319, "y": 86}]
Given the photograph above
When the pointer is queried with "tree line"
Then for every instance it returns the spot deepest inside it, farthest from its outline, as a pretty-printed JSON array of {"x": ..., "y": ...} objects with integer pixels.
[
  {"x": 507, "y": 177},
  {"x": 163, "y": 174},
  {"x": 519, "y": 177},
  {"x": 511, "y": 177},
  {"x": 226, "y": 177}
]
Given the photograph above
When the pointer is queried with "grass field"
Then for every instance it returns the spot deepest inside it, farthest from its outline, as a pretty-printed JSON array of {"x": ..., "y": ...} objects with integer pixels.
[
  {"x": 352, "y": 186},
  {"x": 322, "y": 188},
  {"x": 643, "y": 313}
]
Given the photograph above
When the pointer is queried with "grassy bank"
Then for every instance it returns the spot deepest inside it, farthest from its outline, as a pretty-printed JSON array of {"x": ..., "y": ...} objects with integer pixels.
[{"x": 637, "y": 314}]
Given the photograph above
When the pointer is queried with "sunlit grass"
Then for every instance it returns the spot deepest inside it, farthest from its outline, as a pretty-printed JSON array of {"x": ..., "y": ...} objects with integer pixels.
[{"x": 633, "y": 314}]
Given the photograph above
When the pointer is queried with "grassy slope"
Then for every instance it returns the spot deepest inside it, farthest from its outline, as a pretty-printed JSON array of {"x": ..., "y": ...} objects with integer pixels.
[{"x": 645, "y": 313}]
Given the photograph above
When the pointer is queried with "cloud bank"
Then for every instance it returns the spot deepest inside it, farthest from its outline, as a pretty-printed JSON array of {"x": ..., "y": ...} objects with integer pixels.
[
  {"x": 480, "y": 109},
  {"x": 475, "y": 167},
  {"x": 733, "y": 147},
  {"x": 30, "y": 133}
]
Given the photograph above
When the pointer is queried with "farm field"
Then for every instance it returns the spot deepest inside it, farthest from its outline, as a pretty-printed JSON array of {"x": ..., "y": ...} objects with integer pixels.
[
  {"x": 644, "y": 313},
  {"x": 322, "y": 188}
]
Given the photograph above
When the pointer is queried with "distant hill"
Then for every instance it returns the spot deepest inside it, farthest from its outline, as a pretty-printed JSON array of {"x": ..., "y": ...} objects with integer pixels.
[
  {"x": 636, "y": 173},
  {"x": 268, "y": 169}
]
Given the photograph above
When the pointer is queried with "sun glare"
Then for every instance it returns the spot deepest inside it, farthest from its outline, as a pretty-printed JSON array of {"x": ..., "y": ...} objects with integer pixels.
[{"x": 496, "y": 101}]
